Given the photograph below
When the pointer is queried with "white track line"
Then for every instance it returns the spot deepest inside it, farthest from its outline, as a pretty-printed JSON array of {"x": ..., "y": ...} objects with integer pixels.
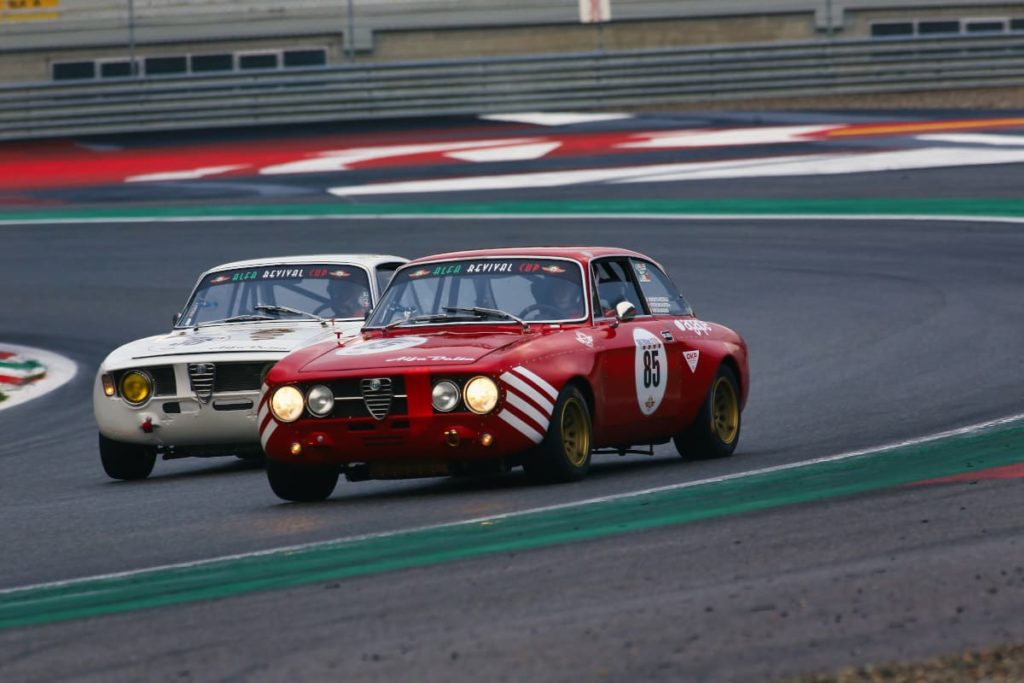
[
  {"x": 534, "y": 216},
  {"x": 59, "y": 371},
  {"x": 962, "y": 431}
]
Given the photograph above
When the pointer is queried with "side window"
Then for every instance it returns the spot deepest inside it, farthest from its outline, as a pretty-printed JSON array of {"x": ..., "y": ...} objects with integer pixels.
[
  {"x": 385, "y": 272},
  {"x": 662, "y": 296},
  {"x": 614, "y": 285}
]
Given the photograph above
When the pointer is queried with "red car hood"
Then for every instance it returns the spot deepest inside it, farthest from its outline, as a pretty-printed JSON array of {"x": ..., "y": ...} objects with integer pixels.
[{"x": 437, "y": 349}]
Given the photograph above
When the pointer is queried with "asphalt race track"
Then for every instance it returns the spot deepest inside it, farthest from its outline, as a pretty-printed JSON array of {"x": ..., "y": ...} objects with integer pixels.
[{"x": 861, "y": 333}]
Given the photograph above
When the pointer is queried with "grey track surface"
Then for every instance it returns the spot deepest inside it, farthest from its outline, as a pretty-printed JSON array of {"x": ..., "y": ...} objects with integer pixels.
[{"x": 860, "y": 334}]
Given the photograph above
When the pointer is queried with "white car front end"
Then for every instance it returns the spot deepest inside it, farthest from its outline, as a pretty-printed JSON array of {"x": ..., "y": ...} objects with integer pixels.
[{"x": 205, "y": 385}]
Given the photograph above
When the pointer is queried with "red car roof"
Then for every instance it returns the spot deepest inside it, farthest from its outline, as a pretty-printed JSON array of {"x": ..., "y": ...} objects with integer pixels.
[{"x": 583, "y": 254}]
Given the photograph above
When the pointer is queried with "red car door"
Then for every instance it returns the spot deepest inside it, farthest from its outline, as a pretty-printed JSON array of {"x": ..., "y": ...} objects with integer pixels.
[{"x": 638, "y": 373}]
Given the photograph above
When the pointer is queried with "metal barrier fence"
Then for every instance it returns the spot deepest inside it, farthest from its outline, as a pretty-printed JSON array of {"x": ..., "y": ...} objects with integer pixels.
[{"x": 547, "y": 82}]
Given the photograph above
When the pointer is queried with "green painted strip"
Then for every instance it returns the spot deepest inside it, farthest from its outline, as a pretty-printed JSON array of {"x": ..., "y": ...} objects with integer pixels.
[
  {"x": 342, "y": 559},
  {"x": 942, "y": 206}
]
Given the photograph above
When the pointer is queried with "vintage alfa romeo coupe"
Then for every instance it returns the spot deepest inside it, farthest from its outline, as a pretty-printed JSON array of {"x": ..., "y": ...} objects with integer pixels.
[{"x": 486, "y": 360}]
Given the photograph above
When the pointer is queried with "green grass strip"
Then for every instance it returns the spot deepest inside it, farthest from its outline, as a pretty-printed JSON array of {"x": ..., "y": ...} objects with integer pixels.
[
  {"x": 343, "y": 559},
  {"x": 938, "y": 207}
]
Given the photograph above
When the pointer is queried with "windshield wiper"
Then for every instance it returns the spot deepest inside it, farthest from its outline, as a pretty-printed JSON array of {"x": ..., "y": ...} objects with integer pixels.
[
  {"x": 489, "y": 312},
  {"x": 234, "y": 319},
  {"x": 432, "y": 318},
  {"x": 271, "y": 308}
]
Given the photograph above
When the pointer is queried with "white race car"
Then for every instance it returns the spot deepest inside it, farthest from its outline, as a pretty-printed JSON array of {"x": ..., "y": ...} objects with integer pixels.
[{"x": 194, "y": 391}]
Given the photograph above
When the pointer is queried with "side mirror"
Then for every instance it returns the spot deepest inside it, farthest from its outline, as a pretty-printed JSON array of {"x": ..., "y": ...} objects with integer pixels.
[
  {"x": 176, "y": 318},
  {"x": 624, "y": 311}
]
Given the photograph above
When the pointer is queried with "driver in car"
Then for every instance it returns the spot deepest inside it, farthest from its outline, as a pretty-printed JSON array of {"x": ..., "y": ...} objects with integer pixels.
[
  {"x": 557, "y": 298},
  {"x": 348, "y": 299}
]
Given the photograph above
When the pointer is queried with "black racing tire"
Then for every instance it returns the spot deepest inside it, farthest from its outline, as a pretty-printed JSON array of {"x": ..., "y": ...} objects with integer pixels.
[
  {"x": 301, "y": 483},
  {"x": 716, "y": 431},
  {"x": 126, "y": 461},
  {"x": 564, "y": 454}
]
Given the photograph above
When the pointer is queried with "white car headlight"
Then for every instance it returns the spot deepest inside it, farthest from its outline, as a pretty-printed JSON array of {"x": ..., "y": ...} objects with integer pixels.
[
  {"x": 136, "y": 387},
  {"x": 480, "y": 395},
  {"x": 320, "y": 400},
  {"x": 286, "y": 404},
  {"x": 445, "y": 396}
]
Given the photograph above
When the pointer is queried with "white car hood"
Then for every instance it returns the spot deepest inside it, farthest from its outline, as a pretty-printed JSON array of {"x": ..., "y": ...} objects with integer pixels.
[{"x": 243, "y": 341}]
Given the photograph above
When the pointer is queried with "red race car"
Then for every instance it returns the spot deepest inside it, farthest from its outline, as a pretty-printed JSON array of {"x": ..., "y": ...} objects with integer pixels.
[{"x": 480, "y": 361}]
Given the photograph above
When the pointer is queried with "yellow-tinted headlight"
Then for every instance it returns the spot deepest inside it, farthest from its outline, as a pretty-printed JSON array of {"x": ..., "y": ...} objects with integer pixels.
[
  {"x": 480, "y": 395},
  {"x": 286, "y": 404},
  {"x": 136, "y": 387}
]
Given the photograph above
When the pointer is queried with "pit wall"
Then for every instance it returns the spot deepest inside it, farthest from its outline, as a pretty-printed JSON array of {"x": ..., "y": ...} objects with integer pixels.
[{"x": 32, "y": 40}]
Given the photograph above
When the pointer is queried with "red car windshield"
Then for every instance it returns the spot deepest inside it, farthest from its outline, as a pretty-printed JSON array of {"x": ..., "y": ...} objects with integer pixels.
[{"x": 532, "y": 289}]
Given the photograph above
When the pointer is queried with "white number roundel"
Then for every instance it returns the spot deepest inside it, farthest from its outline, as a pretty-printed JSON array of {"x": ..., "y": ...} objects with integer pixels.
[{"x": 651, "y": 370}]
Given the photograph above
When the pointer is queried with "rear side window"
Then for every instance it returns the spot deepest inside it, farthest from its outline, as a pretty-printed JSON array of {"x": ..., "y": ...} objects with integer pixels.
[
  {"x": 614, "y": 285},
  {"x": 662, "y": 296},
  {"x": 385, "y": 272}
]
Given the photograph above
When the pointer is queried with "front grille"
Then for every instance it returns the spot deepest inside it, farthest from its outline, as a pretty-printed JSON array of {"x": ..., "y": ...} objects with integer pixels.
[
  {"x": 202, "y": 377},
  {"x": 350, "y": 403},
  {"x": 377, "y": 396},
  {"x": 240, "y": 376}
]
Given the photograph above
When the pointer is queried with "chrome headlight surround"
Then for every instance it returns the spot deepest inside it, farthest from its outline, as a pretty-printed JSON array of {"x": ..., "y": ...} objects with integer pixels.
[
  {"x": 319, "y": 400},
  {"x": 136, "y": 387},
  {"x": 480, "y": 394},
  {"x": 445, "y": 396},
  {"x": 287, "y": 404}
]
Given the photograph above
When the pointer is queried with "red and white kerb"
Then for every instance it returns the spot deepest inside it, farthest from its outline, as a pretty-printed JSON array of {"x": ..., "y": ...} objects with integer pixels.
[{"x": 529, "y": 402}]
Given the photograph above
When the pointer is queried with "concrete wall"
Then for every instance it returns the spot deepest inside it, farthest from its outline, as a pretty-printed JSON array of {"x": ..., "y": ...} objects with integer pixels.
[{"x": 430, "y": 29}]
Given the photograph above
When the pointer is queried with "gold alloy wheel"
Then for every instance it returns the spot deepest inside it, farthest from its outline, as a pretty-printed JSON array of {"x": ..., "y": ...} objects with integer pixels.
[
  {"x": 725, "y": 411},
  {"x": 575, "y": 435}
]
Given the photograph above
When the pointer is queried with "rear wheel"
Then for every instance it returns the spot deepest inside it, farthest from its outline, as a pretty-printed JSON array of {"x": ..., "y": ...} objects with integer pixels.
[
  {"x": 126, "y": 460},
  {"x": 716, "y": 431},
  {"x": 564, "y": 454},
  {"x": 301, "y": 483}
]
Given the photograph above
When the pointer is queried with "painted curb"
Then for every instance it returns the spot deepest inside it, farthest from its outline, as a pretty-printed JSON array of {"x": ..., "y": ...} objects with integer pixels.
[{"x": 59, "y": 371}]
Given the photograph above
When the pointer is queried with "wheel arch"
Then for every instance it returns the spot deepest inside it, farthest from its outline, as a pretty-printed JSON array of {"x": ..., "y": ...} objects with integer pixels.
[{"x": 730, "y": 362}]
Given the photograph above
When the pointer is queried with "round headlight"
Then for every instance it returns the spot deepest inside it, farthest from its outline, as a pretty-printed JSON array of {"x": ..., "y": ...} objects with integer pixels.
[
  {"x": 320, "y": 400},
  {"x": 136, "y": 387},
  {"x": 480, "y": 395},
  {"x": 445, "y": 396},
  {"x": 286, "y": 404}
]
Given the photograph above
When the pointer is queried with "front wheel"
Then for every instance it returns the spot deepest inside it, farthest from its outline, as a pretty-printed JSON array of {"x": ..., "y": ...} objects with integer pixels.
[
  {"x": 564, "y": 454},
  {"x": 716, "y": 431},
  {"x": 301, "y": 483},
  {"x": 126, "y": 461}
]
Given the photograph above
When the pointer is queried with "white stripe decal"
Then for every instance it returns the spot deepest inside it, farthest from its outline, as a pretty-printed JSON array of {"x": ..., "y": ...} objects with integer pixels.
[
  {"x": 271, "y": 428},
  {"x": 521, "y": 427},
  {"x": 260, "y": 416},
  {"x": 533, "y": 377},
  {"x": 522, "y": 406},
  {"x": 522, "y": 386}
]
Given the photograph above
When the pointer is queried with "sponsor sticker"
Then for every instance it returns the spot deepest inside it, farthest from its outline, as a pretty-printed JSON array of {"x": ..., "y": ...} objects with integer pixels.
[
  {"x": 641, "y": 271},
  {"x": 381, "y": 346},
  {"x": 585, "y": 339},
  {"x": 692, "y": 357},
  {"x": 650, "y": 370},
  {"x": 422, "y": 272},
  {"x": 698, "y": 327}
]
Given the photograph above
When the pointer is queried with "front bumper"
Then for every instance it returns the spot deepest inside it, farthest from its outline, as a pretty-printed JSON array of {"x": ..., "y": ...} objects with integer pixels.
[
  {"x": 229, "y": 418},
  {"x": 427, "y": 439}
]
